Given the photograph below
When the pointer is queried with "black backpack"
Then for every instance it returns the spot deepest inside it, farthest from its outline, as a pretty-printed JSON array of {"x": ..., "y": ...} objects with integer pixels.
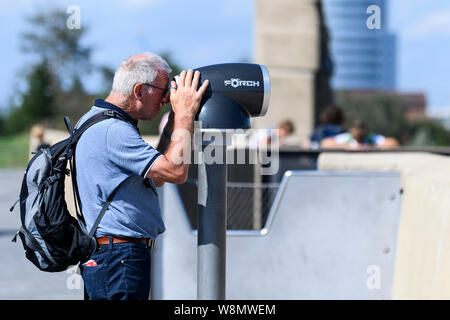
[{"x": 52, "y": 238}]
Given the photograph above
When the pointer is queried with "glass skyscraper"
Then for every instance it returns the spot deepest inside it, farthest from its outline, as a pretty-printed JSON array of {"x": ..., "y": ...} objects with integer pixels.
[{"x": 362, "y": 58}]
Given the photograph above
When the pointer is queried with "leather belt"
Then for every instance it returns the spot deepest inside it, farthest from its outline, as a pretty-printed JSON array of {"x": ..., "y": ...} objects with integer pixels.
[{"x": 146, "y": 241}]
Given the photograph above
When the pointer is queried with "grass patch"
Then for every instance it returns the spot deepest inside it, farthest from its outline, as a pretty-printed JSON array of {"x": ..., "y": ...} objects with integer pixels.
[{"x": 14, "y": 151}]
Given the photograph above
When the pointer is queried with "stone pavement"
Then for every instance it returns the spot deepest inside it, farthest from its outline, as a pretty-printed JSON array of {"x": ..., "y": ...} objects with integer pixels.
[{"x": 19, "y": 278}]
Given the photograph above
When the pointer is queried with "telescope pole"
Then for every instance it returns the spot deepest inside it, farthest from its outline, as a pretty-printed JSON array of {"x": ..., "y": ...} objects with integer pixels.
[{"x": 212, "y": 225}]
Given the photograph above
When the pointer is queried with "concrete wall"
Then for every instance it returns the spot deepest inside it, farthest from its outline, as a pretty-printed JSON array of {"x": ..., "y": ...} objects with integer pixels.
[
  {"x": 287, "y": 38},
  {"x": 423, "y": 252},
  {"x": 324, "y": 234}
]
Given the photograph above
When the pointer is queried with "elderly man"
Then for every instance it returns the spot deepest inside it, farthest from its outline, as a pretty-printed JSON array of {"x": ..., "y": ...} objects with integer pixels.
[{"x": 112, "y": 152}]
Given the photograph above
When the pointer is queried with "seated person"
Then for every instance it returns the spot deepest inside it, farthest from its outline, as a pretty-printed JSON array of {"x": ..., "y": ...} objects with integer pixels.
[
  {"x": 331, "y": 120},
  {"x": 284, "y": 130},
  {"x": 359, "y": 138}
]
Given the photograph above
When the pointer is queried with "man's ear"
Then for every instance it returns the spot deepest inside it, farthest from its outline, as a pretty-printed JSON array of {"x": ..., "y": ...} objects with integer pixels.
[{"x": 137, "y": 91}]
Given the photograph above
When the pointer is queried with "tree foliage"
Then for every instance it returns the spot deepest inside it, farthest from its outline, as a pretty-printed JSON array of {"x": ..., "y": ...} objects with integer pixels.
[
  {"x": 427, "y": 132},
  {"x": 50, "y": 40},
  {"x": 54, "y": 87},
  {"x": 52, "y": 79},
  {"x": 36, "y": 102},
  {"x": 384, "y": 114}
]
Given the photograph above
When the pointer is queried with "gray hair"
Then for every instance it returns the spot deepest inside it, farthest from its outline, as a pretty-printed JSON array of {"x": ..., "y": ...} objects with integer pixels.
[{"x": 142, "y": 69}]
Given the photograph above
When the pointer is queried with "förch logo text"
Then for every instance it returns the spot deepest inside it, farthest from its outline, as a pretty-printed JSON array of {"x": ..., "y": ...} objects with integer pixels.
[{"x": 241, "y": 83}]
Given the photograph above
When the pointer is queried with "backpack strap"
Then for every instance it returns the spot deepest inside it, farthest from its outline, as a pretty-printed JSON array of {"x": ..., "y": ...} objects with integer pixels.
[
  {"x": 75, "y": 135},
  {"x": 104, "y": 208},
  {"x": 68, "y": 125},
  {"x": 107, "y": 114}
]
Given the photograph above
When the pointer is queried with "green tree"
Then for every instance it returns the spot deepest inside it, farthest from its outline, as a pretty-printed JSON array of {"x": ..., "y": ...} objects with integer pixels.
[
  {"x": 73, "y": 102},
  {"x": 427, "y": 132},
  {"x": 54, "y": 82},
  {"x": 107, "y": 74},
  {"x": 384, "y": 114},
  {"x": 37, "y": 100},
  {"x": 2, "y": 125},
  {"x": 50, "y": 40},
  {"x": 54, "y": 86}
]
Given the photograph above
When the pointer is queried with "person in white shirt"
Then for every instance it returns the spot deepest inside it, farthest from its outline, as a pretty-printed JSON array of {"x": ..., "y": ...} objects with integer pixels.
[{"x": 358, "y": 138}]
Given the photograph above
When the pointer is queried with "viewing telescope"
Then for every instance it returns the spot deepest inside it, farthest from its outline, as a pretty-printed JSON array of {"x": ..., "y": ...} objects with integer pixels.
[{"x": 236, "y": 92}]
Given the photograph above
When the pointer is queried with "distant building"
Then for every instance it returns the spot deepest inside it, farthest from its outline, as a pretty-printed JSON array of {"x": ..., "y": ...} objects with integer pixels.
[{"x": 362, "y": 58}]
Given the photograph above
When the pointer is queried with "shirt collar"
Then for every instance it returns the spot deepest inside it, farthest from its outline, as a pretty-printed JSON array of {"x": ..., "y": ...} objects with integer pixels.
[{"x": 100, "y": 103}]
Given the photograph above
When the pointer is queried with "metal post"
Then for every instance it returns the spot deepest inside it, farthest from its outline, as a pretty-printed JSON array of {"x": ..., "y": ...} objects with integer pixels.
[{"x": 212, "y": 227}]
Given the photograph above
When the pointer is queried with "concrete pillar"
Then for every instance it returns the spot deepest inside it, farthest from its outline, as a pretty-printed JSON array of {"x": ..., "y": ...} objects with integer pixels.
[{"x": 287, "y": 41}]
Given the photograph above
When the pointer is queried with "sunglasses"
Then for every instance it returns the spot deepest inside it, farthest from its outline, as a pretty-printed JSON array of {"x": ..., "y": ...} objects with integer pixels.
[{"x": 164, "y": 90}]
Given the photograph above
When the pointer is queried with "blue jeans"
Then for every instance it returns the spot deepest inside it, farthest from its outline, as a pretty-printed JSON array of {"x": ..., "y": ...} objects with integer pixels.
[{"x": 122, "y": 272}]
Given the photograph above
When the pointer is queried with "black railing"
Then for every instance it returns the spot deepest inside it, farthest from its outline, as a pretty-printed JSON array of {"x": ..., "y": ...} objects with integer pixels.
[{"x": 250, "y": 197}]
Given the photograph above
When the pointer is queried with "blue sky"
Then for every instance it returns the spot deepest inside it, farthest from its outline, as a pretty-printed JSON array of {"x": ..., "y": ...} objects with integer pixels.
[
  {"x": 201, "y": 32},
  {"x": 423, "y": 56},
  {"x": 196, "y": 33}
]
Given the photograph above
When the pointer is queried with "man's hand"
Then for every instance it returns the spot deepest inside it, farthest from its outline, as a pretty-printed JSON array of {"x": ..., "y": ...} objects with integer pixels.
[
  {"x": 184, "y": 96},
  {"x": 185, "y": 100}
]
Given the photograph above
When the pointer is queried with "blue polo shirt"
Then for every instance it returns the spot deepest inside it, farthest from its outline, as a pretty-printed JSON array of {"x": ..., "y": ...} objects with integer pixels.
[{"x": 106, "y": 154}]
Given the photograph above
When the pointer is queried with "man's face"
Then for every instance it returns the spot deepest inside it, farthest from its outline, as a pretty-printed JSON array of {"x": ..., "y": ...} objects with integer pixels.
[{"x": 153, "y": 98}]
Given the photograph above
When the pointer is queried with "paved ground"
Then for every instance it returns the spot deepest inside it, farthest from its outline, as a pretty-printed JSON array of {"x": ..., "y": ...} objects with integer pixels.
[{"x": 19, "y": 278}]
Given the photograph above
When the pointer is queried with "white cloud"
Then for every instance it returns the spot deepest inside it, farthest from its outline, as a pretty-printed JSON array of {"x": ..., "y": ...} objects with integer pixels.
[{"x": 433, "y": 24}]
